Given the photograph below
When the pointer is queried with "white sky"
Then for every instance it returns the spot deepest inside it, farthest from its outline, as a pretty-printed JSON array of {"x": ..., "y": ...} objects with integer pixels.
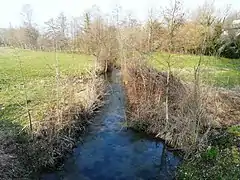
[{"x": 45, "y": 9}]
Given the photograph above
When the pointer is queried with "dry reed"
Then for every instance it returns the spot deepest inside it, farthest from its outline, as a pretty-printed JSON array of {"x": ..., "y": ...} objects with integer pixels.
[
  {"x": 146, "y": 91},
  {"x": 79, "y": 100}
]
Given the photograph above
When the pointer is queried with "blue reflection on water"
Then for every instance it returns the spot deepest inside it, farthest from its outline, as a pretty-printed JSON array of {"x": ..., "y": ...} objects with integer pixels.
[{"x": 110, "y": 151}]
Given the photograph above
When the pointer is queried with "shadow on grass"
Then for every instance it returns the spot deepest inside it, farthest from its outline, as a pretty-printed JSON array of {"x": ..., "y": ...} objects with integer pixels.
[{"x": 11, "y": 139}]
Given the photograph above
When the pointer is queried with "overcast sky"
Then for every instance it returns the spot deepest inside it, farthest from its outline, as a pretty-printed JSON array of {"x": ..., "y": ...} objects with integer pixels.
[{"x": 45, "y": 9}]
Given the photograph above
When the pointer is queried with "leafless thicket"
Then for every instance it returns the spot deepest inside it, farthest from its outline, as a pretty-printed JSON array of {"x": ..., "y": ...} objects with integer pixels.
[
  {"x": 170, "y": 28},
  {"x": 159, "y": 102},
  {"x": 56, "y": 133},
  {"x": 99, "y": 40}
]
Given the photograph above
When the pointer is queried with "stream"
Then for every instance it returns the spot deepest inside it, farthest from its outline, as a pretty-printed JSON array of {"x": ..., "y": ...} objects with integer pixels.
[{"x": 111, "y": 151}]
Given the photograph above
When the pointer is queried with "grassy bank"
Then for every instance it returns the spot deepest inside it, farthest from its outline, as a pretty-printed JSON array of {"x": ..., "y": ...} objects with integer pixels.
[
  {"x": 219, "y": 157},
  {"x": 220, "y": 160},
  {"x": 57, "y": 97},
  {"x": 198, "y": 117}
]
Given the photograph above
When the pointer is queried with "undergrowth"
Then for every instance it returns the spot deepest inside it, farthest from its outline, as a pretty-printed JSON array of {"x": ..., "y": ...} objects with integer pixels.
[
  {"x": 146, "y": 92},
  {"x": 58, "y": 105},
  {"x": 56, "y": 129},
  {"x": 220, "y": 160},
  {"x": 194, "y": 114}
]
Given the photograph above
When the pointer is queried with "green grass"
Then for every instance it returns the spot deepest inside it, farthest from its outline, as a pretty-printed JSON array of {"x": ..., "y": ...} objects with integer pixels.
[
  {"x": 221, "y": 72},
  {"x": 36, "y": 78},
  {"x": 234, "y": 130},
  {"x": 221, "y": 160}
]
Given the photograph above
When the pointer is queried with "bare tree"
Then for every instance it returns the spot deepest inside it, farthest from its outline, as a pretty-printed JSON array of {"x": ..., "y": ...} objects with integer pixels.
[
  {"x": 173, "y": 18},
  {"x": 150, "y": 30},
  {"x": 56, "y": 30},
  {"x": 31, "y": 33},
  {"x": 25, "y": 95},
  {"x": 98, "y": 38},
  {"x": 156, "y": 31},
  {"x": 62, "y": 25},
  {"x": 53, "y": 33}
]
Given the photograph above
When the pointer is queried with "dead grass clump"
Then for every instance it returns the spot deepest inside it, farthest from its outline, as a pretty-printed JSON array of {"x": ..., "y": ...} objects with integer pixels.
[
  {"x": 146, "y": 92},
  {"x": 63, "y": 121},
  {"x": 228, "y": 107},
  {"x": 147, "y": 82}
]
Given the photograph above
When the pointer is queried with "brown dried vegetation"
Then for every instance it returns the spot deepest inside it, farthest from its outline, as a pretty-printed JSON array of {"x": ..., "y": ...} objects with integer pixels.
[
  {"x": 56, "y": 129},
  {"x": 192, "y": 113},
  {"x": 228, "y": 107}
]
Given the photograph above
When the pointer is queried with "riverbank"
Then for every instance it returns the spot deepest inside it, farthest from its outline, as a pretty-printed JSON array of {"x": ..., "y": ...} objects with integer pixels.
[
  {"x": 220, "y": 157},
  {"x": 219, "y": 160},
  {"x": 196, "y": 120},
  {"x": 44, "y": 108},
  {"x": 52, "y": 138},
  {"x": 111, "y": 151}
]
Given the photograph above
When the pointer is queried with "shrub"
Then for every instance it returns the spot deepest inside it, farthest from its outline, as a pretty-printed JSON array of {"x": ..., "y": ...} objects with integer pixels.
[{"x": 146, "y": 92}]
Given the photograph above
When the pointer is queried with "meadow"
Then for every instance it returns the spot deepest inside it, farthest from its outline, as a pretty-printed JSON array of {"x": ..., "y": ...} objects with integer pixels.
[
  {"x": 214, "y": 71},
  {"x": 46, "y": 99},
  {"x": 33, "y": 74}
]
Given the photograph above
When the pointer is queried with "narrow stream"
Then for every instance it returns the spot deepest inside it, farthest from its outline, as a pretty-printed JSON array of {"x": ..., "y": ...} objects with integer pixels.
[{"x": 110, "y": 151}]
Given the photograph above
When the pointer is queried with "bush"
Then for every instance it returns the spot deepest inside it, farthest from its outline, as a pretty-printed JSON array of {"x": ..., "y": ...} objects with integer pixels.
[{"x": 146, "y": 107}]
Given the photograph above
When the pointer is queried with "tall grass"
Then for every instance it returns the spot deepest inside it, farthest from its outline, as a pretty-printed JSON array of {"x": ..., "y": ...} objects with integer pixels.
[
  {"x": 60, "y": 105},
  {"x": 194, "y": 106},
  {"x": 146, "y": 91},
  {"x": 79, "y": 101}
]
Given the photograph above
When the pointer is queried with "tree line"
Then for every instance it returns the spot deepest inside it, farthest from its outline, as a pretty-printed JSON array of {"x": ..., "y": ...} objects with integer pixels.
[{"x": 167, "y": 29}]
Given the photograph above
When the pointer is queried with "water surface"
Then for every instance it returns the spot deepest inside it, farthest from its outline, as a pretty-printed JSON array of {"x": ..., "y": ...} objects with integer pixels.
[{"x": 110, "y": 151}]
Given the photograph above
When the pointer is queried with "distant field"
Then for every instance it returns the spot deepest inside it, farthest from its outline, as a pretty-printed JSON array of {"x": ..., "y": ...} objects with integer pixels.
[
  {"x": 220, "y": 72},
  {"x": 33, "y": 73}
]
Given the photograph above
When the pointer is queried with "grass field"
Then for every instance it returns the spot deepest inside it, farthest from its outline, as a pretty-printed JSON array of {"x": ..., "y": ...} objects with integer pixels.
[
  {"x": 24, "y": 72},
  {"x": 58, "y": 107},
  {"x": 221, "y": 72}
]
